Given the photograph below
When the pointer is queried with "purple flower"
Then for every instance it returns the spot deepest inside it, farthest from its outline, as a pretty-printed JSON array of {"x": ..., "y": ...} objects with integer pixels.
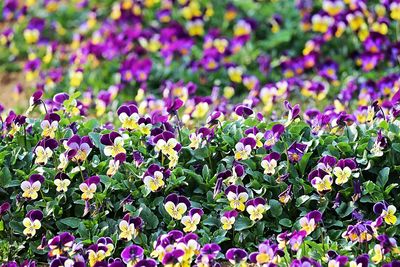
[
  {"x": 173, "y": 257},
  {"x": 132, "y": 254},
  {"x": 270, "y": 162},
  {"x": 243, "y": 111},
  {"x": 60, "y": 244},
  {"x": 237, "y": 196},
  {"x": 293, "y": 112},
  {"x": 310, "y": 221},
  {"x": 244, "y": 148},
  {"x": 296, "y": 151},
  {"x": 79, "y": 148},
  {"x": 236, "y": 255},
  {"x": 272, "y": 136},
  {"x": 114, "y": 144},
  {"x": 4, "y": 208},
  {"x": 176, "y": 205}
]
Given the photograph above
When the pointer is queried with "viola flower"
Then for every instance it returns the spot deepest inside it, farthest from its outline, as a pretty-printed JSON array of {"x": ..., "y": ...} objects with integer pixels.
[
  {"x": 387, "y": 212},
  {"x": 379, "y": 144},
  {"x": 128, "y": 116},
  {"x": 362, "y": 261},
  {"x": 236, "y": 256},
  {"x": 32, "y": 222},
  {"x": 327, "y": 163},
  {"x": 272, "y": 136},
  {"x": 237, "y": 197},
  {"x": 244, "y": 148},
  {"x": 192, "y": 220},
  {"x": 44, "y": 150},
  {"x": 296, "y": 151},
  {"x": 267, "y": 254},
  {"x": 176, "y": 205},
  {"x": 145, "y": 125},
  {"x": 310, "y": 221},
  {"x": 60, "y": 244},
  {"x": 256, "y": 208},
  {"x": 88, "y": 187},
  {"x": 377, "y": 254},
  {"x": 235, "y": 74},
  {"x": 146, "y": 263},
  {"x": 129, "y": 227},
  {"x": 173, "y": 258},
  {"x": 4, "y": 208},
  {"x": 31, "y": 187},
  {"x": 343, "y": 170},
  {"x": 132, "y": 254},
  {"x": 270, "y": 162},
  {"x": 96, "y": 254},
  {"x": 50, "y": 125},
  {"x": 114, "y": 164},
  {"x": 293, "y": 112},
  {"x": 228, "y": 219},
  {"x": 296, "y": 239},
  {"x": 33, "y": 30},
  {"x": 321, "y": 181},
  {"x": 286, "y": 195},
  {"x": 154, "y": 177},
  {"x": 243, "y": 111},
  {"x": 114, "y": 144},
  {"x": 256, "y": 135},
  {"x": 78, "y": 149}
]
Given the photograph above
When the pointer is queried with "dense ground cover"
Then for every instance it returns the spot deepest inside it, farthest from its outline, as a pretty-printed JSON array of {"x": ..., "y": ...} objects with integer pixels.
[{"x": 200, "y": 133}]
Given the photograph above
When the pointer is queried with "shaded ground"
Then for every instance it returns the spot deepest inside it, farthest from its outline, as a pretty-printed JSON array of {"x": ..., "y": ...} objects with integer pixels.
[{"x": 8, "y": 96}]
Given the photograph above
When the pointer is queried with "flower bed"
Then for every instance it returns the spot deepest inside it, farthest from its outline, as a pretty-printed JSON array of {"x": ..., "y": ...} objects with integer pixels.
[{"x": 172, "y": 133}]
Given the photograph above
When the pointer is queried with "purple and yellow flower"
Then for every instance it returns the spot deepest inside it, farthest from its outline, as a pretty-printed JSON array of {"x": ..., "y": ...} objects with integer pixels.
[
  {"x": 296, "y": 239},
  {"x": 309, "y": 222},
  {"x": 321, "y": 181},
  {"x": 78, "y": 148},
  {"x": 237, "y": 197},
  {"x": 50, "y": 125},
  {"x": 44, "y": 150},
  {"x": 244, "y": 148},
  {"x": 32, "y": 222},
  {"x": 256, "y": 208},
  {"x": 192, "y": 220},
  {"x": 286, "y": 195},
  {"x": 237, "y": 256},
  {"x": 115, "y": 163},
  {"x": 176, "y": 206},
  {"x": 228, "y": 219},
  {"x": 31, "y": 187},
  {"x": 129, "y": 116},
  {"x": 343, "y": 170},
  {"x": 114, "y": 144},
  {"x": 60, "y": 244},
  {"x": 132, "y": 254},
  {"x": 267, "y": 254},
  {"x": 129, "y": 227},
  {"x": 272, "y": 136},
  {"x": 154, "y": 177},
  {"x": 270, "y": 162},
  {"x": 88, "y": 187},
  {"x": 296, "y": 151},
  {"x": 387, "y": 212}
]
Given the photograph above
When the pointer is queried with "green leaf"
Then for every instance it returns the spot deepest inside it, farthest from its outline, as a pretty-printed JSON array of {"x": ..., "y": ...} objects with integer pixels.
[
  {"x": 72, "y": 222},
  {"x": 149, "y": 218},
  {"x": 383, "y": 177},
  {"x": 243, "y": 223},
  {"x": 276, "y": 208},
  {"x": 285, "y": 222}
]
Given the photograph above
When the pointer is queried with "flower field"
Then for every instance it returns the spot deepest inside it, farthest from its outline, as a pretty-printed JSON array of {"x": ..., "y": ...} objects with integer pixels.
[{"x": 181, "y": 133}]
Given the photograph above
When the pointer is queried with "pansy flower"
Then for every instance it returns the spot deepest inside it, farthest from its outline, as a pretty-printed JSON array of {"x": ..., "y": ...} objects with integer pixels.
[
  {"x": 88, "y": 187},
  {"x": 377, "y": 254},
  {"x": 272, "y": 136},
  {"x": 192, "y": 220},
  {"x": 145, "y": 125},
  {"x": 379, "y": 145},
  {"x": 327, "y": 163},
  {"x": 244, "y": 148},
  {"x": 31, "y": 187},
  {"x": 154, "y": 177},
  {"x": 309, "y": 222},
  {"x": 256, "y": 135},
  {"x": 343, "y": 170},
  {"x": 321, "y": 181},
  {"x": 296, "y": 239},
  {"x": 176, "y": 206},
  {"x": 145, "y": 263},
  {"x": 173, "y": 258},
  {"x": 256, "y": 208},
  {"x": 115, "y": 163},
  {"x": 237, "y": 197},
  {"x": 78, "y": 148},
  {"x": 49, "y": 125},
  {"x": 60, "y": 244},
  {"x": 5, "y": 207},
  {"x": 236, "y": 256},
  {"x": 96, "y": 254},
  {"x": 129, "y": 227},
  {"x": 129, "y": 116},
  {"x": 114, "y": 144},
  {"x": 168, "y": 145},
  {"x": 286, "y": 195},
  {"x": 132, "y": 254},
  {"x": 32, "y": 222},
  {"x": 387, "y": 212},
  {"x": 296, "y": 151},
  {"x": 228, "y": 219},
  {"x": 270, "y": 162},
  {"x": 293, "y": 112},
  {"x": 44, "y": 150},
  {"x": 243, "y": 111},
  {"x": 268, "y": 253}
]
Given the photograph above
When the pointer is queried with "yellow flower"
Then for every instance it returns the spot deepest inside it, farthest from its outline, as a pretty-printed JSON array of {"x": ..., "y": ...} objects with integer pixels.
[
  {"x": 342, "y": 175},
  {"x": 256, "y": 213},
  {"x": 30, "y": 190},
  {"x": 307, "y": 225},
  {"x": 269, "y": 166},
  {"x": 242, "y": 152},
  {"x": 191, "y": 222},
  {"x": 195, "y": 140},
  {"x": 227, "y": 223},
  {"x": 31, "y": 226},
  {"x": 115, "y": 149},
  {"x": 128, "y": 231},
  {"x": 166, "y": 147},
  {"x": 49, "y": 130},
  {"x": 200, "y": 110},
  {"x": 154, "y": 183},
  {"x": 129, "y": 122},
  {"x": 389, "y": 215},
  {"x": 378, "y": 257},
  {"x": 237, "y": 201},
  {"x": 324, "y": 184},
  {"x": 31, "y": 35},
  {"x": 76, "y": 78},
  {"x": 88, "y": 191},
  {"x": 62, "y": 185},
  {"x": 235, "y": 74},
  {"x": 175, "y": 211},
  {"x": 42, "y": 154},
  {"x": 96, "y": 256}
]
